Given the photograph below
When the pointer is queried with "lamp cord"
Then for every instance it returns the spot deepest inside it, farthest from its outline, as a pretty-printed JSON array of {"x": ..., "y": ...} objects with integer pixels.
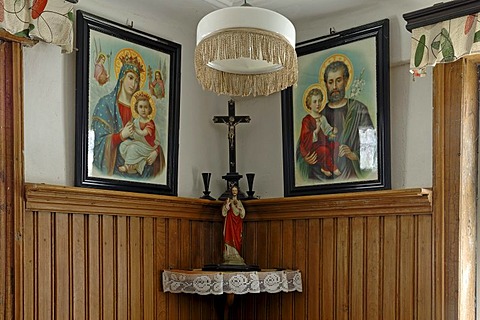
[{"x": 245, "y": 4}]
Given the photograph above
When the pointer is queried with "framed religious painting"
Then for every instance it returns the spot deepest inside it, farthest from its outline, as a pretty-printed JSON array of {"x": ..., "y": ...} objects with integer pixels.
[
  {"x": 335, "y": 121},
  {"x": 127, "y": 108}
]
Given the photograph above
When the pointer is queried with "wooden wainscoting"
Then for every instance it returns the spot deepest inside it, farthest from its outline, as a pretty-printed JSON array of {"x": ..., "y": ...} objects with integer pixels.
[
  {"x": 96, "y": 254},
  {"x": 362, "y": 256},
  {"x": 90, "y": 254}
]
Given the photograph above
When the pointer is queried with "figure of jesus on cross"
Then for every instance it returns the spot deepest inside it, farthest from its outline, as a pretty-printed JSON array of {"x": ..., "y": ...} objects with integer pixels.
[{"x": 231, "y": 120}]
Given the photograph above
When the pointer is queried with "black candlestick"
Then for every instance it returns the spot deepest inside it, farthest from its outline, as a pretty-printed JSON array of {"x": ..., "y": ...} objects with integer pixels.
[
  {"x": 206, "y": 183},
  {"x": 250, "y": 192}
]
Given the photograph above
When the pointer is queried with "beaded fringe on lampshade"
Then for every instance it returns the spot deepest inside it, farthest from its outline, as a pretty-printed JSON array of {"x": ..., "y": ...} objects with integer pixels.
[{"x": 250, "y": 43}]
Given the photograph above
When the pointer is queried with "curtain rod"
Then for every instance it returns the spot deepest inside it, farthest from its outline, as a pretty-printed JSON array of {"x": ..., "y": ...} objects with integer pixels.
[{"x": 440, "y": 12}]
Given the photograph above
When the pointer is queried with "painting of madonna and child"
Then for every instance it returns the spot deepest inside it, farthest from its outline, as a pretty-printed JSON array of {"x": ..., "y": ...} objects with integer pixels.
[
  {"x": 128, "y": 114},
  {"x": 336, "y": 127}
]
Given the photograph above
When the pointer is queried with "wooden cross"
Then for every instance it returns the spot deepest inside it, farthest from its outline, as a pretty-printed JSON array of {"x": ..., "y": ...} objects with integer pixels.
[{"x": 231, "y": 121}]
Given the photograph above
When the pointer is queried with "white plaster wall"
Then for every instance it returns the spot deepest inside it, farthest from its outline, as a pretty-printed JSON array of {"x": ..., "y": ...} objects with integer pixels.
[
  {"x": 410, "y": 108},
  {"x": 50, "y": 109}
]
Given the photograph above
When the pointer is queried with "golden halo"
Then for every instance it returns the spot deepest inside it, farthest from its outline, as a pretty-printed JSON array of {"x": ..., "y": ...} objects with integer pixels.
[
  {"x": 305, "y": 94},
  {"x": 118, "y": 64},
  {"x": 135, "y": 114},
  {"x": 333, "y": 58}
]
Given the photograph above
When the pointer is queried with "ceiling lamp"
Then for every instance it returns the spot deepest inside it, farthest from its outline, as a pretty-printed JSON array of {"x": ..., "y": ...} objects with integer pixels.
[{"x": 245, "y": 51}]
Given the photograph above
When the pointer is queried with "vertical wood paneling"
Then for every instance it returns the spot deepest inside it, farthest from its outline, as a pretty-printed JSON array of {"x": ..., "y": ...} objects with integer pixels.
[
  {"x": 123, "y": 251},
  {"x": 161, "y": 263},
  {"x": 79, "y": 253},
  {"x": 274, "y": 249},
  {"x": 94, "y": 268},
  {"x": 390, "y": 269},
  {"x": 44, "y": 266},
  {"x": 197, "y": 255},
  {"x": 301, "y": 256},
  {"x": 274, "y": 302},
  {"x": 29, "y": 277},
  {"x": 185, "y": 242},
  {"x": 407, "y": 268},
  {"x": 355, "y": 267},
  {"x": 250, "y": 255},
  {"x": 313, "y": 267},
  {"x": 357, "y": 272},
  {"x": 5, "y": 56},
  {"x": 135, "y": 263},
  {"x": 172, "y": 258},
  {"x": 373, "y": 269},
  {"x": 150, "y": 279},
  {"x": 108, "y": 263},
  {"x": 287, "y": 262},
  {"x": 448, "y": 170},
  {"x": 12, "y": 176},
  {"x": 62, "y": 271},
  {"x": 424, "y": 269},
  {"x": 217, "y": 245},
  {"x": 342, "y": 264},
  {"x": 249, "y": 243},
  {"x": 455, "y": 162},
  {"x": 261, "y": 311},
  {"x": 327, "y": 265}
]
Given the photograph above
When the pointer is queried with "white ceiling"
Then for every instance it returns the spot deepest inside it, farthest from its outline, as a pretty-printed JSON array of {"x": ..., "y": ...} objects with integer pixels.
[{"x": 191, "y": 11}]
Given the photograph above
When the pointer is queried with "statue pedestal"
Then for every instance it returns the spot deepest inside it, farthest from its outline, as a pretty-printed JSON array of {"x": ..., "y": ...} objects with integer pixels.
[{"x": 232, "y": 179}]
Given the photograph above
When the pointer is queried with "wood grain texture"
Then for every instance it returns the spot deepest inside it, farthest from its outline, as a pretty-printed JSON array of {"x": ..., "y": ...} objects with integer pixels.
[
  {"x": 362, "y": 266},
  {"x": 455, "y": 149},
  {"x": 11, "y": 175}
]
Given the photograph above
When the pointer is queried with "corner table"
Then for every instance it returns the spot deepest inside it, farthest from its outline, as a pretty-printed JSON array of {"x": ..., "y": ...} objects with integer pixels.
[{"x": 230, "y": 283}]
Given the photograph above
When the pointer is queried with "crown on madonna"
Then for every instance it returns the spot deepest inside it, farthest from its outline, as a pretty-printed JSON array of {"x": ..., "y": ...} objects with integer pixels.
[{"x": 132, "y": 63}]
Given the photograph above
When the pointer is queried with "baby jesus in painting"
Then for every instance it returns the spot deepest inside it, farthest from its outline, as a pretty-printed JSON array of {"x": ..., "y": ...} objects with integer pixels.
[
  {"x": 317, "y": 136},
  {"x": 144, "y": 140}
]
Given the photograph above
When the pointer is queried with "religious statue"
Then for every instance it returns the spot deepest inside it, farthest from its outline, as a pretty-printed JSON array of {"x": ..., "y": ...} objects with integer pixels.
[{"x": 234, "y": 213}]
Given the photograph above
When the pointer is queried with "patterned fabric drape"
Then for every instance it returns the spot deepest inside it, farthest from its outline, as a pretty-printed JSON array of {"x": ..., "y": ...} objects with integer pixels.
[
  {"x": 50, "y": 21},
  {"x": 445, "y": 41}
]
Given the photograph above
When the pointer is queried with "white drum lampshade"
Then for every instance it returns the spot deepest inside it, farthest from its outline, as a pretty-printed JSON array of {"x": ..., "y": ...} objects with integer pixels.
[{"x": 244, "y": 51}]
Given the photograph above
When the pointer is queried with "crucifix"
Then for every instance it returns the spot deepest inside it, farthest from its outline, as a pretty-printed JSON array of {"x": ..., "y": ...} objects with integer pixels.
[{"x": 231, "y": 120}]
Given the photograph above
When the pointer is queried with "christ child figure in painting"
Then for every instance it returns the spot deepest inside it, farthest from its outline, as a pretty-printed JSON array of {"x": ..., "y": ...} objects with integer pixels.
[
  {"x": 233, "y": 212},
  {"x": 144, "y": 139},
  {"x": 317, "y": 136}
]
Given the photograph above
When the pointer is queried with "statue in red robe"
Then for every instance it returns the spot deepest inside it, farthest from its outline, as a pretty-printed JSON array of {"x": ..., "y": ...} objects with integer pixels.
[{"x": 234, "y": 213}]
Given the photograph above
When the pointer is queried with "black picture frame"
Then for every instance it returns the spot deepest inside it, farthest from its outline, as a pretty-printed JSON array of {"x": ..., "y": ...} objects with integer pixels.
[
  {"x": 120, "y": 73},
  {"x": 365, "y": 49}
]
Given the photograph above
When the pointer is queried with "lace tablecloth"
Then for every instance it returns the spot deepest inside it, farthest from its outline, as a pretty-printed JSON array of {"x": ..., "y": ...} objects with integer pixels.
[{"x": 211, "y": 282}]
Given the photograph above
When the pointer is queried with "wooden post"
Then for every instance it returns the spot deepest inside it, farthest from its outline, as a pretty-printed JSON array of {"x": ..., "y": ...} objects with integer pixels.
[
  {"x": 11, "y": 176},
  {"x": 455, "y": 140}
]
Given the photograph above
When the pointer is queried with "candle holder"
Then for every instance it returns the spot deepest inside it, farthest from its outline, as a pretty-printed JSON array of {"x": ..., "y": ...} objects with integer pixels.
[
  {"x": 250, "y": 192},
  {"x": 206, "y": 183}
]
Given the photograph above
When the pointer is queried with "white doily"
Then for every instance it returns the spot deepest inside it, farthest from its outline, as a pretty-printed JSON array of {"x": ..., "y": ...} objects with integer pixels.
[{"x": 208, "y": 282}]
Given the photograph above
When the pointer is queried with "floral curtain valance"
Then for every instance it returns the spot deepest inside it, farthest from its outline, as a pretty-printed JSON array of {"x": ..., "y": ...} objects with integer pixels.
[
  {"x": 50, "y": 21},
  {"x": 445, "y": 41}
]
